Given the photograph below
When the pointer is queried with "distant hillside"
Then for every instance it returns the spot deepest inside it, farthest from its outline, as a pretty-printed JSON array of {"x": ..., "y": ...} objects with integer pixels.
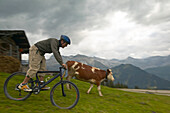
[
  {"x": 149, "y": 62},
  {"x": 162, "y": 72},
  {"x": 134, "y": 76},
  {"x": 52, "y": 64}
]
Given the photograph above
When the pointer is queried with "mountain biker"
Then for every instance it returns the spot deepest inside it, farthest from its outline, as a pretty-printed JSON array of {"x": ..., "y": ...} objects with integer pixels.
[{"x": 37, "y": 59}]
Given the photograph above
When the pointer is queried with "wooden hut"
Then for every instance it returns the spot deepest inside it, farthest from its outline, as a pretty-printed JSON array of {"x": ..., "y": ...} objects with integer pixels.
[{"x": 13, "y": 43}]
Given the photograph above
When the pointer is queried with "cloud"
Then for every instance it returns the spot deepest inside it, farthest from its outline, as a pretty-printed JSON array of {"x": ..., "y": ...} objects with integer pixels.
[{"x": 107, "y": 29}]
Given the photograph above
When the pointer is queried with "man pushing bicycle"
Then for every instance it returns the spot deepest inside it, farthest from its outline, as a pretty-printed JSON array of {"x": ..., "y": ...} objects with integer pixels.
[{"x": 37, "y": 59}]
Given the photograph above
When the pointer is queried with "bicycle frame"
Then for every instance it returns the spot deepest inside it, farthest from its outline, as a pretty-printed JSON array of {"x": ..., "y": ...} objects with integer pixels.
[{"x": 38, "y": 81}]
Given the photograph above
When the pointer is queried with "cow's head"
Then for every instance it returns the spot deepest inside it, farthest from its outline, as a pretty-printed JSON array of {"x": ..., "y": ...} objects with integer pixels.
[{"x": 110, "y": 75}]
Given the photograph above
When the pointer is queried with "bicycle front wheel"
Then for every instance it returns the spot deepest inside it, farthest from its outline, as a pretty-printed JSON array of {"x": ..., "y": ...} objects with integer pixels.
[
  {"x": 11, "y": 89},
  {"x": 64, "y": 95}
]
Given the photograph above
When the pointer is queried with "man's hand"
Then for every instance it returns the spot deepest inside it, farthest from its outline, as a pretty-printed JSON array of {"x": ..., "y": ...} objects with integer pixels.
[{"x": 64, "y": 66}]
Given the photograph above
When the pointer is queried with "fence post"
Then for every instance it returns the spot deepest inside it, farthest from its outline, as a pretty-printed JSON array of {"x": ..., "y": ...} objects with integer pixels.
[
  {"x": 18, "y": 56},
  {"x": 10, "y": 50}
]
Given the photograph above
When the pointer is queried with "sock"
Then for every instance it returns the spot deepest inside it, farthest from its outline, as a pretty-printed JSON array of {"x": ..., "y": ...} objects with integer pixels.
[{"x": 24, "y": 84}]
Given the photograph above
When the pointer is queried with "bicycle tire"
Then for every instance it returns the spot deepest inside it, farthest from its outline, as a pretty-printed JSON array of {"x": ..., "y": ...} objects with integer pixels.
[
  {"x": 11, "y": 89},
  {"x": 67, "y": 101}
]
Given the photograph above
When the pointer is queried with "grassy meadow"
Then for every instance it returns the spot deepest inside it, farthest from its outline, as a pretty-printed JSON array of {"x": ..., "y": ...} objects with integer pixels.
[{"x": 113, "y": 101}]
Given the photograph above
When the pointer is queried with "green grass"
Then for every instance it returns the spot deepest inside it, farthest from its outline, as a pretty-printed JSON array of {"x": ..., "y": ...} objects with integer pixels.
[{"x": 113, "y": 101}]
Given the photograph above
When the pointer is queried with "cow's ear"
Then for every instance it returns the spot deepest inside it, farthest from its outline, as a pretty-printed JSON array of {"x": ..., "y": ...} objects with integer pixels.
[{"x": 109, "y": 70}]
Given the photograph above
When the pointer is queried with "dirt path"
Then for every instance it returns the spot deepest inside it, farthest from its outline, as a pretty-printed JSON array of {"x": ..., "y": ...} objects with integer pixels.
[{"x": 158, "y": 92}]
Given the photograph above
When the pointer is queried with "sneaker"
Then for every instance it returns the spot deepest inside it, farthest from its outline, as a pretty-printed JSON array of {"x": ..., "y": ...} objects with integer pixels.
[{"x": 24, "y": 87}]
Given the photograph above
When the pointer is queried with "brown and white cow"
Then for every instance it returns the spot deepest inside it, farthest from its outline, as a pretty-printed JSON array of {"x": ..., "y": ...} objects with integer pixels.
[{"x": 89, "y": 74}]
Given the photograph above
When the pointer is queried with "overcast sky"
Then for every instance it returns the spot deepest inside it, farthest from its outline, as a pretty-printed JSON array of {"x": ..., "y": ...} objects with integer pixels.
[{"x": 102, "y": 28}]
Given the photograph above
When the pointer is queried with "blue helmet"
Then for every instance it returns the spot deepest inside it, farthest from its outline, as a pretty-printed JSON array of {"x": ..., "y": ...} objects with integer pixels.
[{"x": 65, "y": 38}]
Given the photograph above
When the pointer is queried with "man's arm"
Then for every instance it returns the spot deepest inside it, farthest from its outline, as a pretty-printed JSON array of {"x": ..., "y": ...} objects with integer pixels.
[{"x": 54, "y": 48}]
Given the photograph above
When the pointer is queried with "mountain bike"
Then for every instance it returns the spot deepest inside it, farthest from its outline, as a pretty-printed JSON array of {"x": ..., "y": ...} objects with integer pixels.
[{"x": 60, "y": 95}]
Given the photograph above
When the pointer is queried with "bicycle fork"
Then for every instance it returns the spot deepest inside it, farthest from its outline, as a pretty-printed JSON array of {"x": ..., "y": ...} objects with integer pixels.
[{"x": 62, "y": 87}]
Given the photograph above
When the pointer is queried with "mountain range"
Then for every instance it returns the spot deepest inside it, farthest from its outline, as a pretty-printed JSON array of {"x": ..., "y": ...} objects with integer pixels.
[
  {"x": 160, "y": 71},
  {"x": 144, "y": 73},
  {"x": 134, "y": 76},
  {"x": 150, "y": 62}
]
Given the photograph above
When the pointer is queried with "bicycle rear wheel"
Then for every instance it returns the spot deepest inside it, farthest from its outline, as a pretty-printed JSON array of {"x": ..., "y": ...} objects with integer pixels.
[
  {"x": 64, "y": 97},
  {"x": 11, "y": 89}
]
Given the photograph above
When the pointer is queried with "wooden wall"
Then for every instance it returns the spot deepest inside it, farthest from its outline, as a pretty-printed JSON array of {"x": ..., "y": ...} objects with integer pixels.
[{"x": 9, "y": 48}]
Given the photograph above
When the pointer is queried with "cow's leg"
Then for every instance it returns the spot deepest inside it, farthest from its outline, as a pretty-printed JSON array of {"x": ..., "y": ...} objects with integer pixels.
[
  {"x": 91, "y": 86},
  {"x": 99, "y": 88},
  {"x": 68, "y": 78}
]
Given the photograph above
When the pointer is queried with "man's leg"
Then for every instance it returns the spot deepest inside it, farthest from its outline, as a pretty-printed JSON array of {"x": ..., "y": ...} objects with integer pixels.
[
  {"x": 42, "y": 75},
  {"x": 26, "y": 80},
  {"x": 42, "y": 68},
  {"x": 34, "y": 65}
]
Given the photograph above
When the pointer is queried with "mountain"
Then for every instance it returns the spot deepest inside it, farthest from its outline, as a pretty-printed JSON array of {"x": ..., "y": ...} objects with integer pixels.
[
  {"x": 149, "y": 62},
  {"x": 162, "y": 72},
  {"x": 134, "y": 76},
  {"x": 92, "y": 61},
  {"x": 52, "y": 64}
]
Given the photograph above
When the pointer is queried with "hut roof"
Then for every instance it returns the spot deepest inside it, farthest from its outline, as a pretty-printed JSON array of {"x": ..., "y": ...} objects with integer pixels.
[{"x": 19, "y": 38}]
